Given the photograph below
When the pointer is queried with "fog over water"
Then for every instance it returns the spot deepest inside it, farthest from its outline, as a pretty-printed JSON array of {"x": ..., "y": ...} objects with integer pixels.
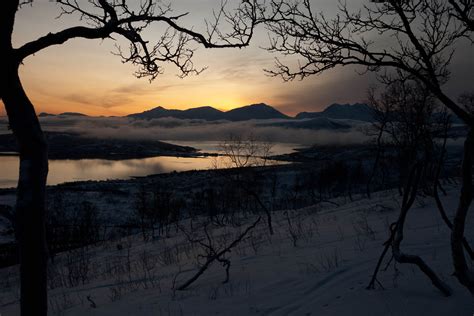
[
  {"x": 171, "y": 129},
  {"x": 199, "y": 134}
]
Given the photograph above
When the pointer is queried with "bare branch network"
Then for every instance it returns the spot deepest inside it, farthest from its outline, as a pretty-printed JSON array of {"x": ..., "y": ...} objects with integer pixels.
[
  {"x": 422, "y": 37},
  {"x": 231, "y": 28}
]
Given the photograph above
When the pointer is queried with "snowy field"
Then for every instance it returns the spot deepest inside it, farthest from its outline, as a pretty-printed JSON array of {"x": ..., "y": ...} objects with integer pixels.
[{"x": 318, "y": 262}]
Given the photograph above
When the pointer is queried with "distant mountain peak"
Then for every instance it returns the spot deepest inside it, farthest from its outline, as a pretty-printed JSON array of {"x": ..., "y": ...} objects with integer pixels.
[
  {"x": 259, "y": 105},
  {"x": 72, "y": 114},
  {"x": 259, "y": 111},
  {"x": 44, "y": 114},
  {"x": 204, "y": 107},
  {"x": 249, "y": 112}
]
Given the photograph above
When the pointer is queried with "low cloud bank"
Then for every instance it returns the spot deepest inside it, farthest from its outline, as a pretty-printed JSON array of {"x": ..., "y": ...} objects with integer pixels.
[
  {"x": 169, "y": 129},
  {"x": 190, "y": 131}
]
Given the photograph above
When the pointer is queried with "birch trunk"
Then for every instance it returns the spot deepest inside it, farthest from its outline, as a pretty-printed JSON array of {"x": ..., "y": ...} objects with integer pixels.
[{"x": 32, "y": 148}]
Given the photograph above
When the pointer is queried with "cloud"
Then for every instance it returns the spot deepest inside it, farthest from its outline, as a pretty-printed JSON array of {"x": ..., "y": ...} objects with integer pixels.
[
  {"x": 170, "y": 129},
  {"x": 138, "y": 88},
  {"x": 80, "y": 98},
  {"x": 87, "y": 75},
  {"x": 114, "y": 97}
]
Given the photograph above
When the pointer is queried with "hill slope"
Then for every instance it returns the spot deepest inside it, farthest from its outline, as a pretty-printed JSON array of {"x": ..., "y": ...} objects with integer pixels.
[{"x": 324, "y": 272}]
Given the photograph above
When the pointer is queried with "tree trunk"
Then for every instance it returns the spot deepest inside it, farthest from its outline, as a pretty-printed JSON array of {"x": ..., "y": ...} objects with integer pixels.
[
  {"x": 447, "y": 221},
  {"x": 461, "y": 269},
  {"x": 410, "y": 193},
  {"x": 30, "y": 204}
]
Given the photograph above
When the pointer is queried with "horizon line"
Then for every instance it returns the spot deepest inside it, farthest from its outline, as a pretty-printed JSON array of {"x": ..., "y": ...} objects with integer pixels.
[{"x": 190, "y": 108}]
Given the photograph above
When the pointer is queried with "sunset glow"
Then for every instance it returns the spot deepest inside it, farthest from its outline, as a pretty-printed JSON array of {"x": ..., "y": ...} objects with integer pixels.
[
  {"x": 236, "y": 157},
  {"x": 83, "y": 76}
]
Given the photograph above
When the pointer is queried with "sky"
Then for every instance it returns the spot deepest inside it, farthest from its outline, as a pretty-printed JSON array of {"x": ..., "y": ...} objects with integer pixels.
[{"x": 83, "y": 76}]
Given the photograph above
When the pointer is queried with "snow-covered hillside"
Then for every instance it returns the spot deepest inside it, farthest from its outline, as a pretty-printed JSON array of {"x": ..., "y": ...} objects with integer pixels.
[{"x": 318, "y": 262}]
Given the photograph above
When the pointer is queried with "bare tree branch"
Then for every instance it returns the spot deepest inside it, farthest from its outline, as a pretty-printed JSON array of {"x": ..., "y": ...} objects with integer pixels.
[
  {"x": 105, "y": 18},
  {"x": 214, "y": 254},
  {"x": 423, "y": 32}
]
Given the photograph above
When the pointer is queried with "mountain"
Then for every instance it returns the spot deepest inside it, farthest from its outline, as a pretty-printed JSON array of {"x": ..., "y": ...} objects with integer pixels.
[
  {"x": 204, "y": 113},
  {"x": 44, "y": 114},
  {"x": 72, "y": 114},
  {"x": 259, "y": 111},
  {"x": 255, "y": 111},
  {"x": 158, "y": 112},
  {"x": 357, "y": 111}
]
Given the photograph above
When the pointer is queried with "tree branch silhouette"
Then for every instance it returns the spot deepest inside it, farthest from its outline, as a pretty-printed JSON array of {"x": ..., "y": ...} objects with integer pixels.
[
  {"x": 98, "y": 19},
  {"x": 424, "y": 34}
]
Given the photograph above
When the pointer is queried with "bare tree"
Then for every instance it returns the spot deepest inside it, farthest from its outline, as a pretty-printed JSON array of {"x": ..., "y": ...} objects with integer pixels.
[
  {"x": 462, "y": 10},
  {"x": 245, "y": 151},
  {"x": 143, "y": 214},
  {"x": 461, "y": 268},
  {"x": 215, "y": 252},
  {"x": 242, "y": 153},
  {"x": 408, "y": 199},
  {"x": 397, "y": 233},
  {"x": 408, "y": 123},
  {"x": 98, "y": 19},
  {"x": 381, "y": 119},
  {"x": 424, "y": 35}
]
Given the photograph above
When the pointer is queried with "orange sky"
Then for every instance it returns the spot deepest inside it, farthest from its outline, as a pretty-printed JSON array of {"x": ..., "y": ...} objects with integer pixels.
[{"x": 83, "y": 76}]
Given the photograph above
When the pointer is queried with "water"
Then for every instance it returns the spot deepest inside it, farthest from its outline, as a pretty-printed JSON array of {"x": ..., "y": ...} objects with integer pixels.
[{"x": 61, "y": 171}]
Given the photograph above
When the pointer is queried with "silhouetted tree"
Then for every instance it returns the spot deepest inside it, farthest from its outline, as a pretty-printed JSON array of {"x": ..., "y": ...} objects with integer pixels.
[
  {"x": 467, "y": 101},
  {"x": 423, "y": 35},
  {"x": 215, "y": 251},
  {"x": 408, "y": 123},
  {"x": 244, "y": 153},
  {"x": 98, "y": 19}
]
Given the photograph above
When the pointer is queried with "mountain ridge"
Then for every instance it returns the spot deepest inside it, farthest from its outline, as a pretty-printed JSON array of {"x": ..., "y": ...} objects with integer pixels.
[{"x": 258, "y": 111}]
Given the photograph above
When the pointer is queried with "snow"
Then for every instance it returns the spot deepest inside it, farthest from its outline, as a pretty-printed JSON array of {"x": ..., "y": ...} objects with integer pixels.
[{"x": 323, "y": 270}]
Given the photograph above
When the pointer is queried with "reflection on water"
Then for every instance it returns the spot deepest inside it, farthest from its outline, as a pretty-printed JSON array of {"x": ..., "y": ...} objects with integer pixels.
[{"x": 61, "y": 171}]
